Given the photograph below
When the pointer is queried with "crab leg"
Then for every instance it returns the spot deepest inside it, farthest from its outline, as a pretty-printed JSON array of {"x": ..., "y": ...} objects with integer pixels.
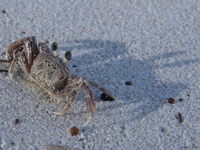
[
  {"x": 65, "y": 109},
  {"x": 3, "y": 70},
  {"x": 103, "y": 90},
  {"x": 23, "y": 65},
  {"x": 34, "y": 84},
  {"x": 6, "y": 61},
  {"x": 89, "y": 96}
]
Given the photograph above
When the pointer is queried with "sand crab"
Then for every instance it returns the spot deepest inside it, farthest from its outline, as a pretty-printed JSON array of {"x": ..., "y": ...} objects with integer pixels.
[{"x": 49, "y": 72}]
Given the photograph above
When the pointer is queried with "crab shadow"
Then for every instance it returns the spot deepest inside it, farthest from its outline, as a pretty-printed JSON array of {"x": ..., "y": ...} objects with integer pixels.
[{"x": 111, "y": 67}]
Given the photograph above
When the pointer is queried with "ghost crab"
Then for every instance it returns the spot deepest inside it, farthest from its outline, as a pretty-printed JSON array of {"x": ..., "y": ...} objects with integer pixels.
[{"x": 47, "y": 71}]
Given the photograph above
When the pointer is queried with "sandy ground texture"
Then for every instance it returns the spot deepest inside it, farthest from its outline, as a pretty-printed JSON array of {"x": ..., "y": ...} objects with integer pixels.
[{"x": 155, "y": 45}]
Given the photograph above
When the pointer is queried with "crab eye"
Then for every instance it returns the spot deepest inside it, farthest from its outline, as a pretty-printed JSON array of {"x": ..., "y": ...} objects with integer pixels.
[
  {"x": 54, "y": 46},
  {"x": 68, "y": 56}
]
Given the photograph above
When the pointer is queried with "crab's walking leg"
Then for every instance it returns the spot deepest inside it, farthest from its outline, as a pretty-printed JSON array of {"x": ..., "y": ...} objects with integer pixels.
[
  {"x": 103, "y": 90},
  {"x": 73, "y": 86},
  {"x": 11, "y": 66},
  {"x": 65, "y": 109},
  {"x": 24, "y": 64},
  {"x": 3, "y": 70},
  {"x": 23, "y": 51},
  {"x": 89, "y": 98},
  {"x": 28, "y": 44},
  {"x": 6, "y": 61},
  {"x": 34, "y": 84}
]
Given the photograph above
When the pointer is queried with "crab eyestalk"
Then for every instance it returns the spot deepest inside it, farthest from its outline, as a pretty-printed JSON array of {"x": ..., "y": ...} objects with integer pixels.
[
  {"x": 54, "y": 48},
  {"x": 68, "y": 56}
]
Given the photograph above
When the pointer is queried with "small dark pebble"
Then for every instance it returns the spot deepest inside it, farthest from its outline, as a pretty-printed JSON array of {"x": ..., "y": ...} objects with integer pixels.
[
  {"x": 16, "y": 121},
  {"x": 23, "y": 32},
  {"x": 128, "y": 83},
  {"x": 3, "y": 70},
  {"x": 180, "y": 99},
  {"x": 74, "y": 66},
  {"x": 171, "y": 100},
  {"x": 12, "y": 143},
  {"x": 105, "y": 97},
  {"x": 3, "y": 11},
  {"x": 74, "y": 131},
  {"x": 180, "y": 118}
]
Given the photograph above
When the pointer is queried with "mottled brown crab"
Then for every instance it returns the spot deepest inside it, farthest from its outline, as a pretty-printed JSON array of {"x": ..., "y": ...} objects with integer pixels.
[{"x": 47, "y": 71}]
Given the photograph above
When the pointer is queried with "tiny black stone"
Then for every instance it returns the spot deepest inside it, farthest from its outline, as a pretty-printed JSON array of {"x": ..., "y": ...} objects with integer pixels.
[
  {"x": 105, "y": 97},
  {"x": 128, "y": 83},
  {"x": 16, "y": 121},
  {"x": 3, "y": 11},
  {"x": 180, "y": 118}
]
